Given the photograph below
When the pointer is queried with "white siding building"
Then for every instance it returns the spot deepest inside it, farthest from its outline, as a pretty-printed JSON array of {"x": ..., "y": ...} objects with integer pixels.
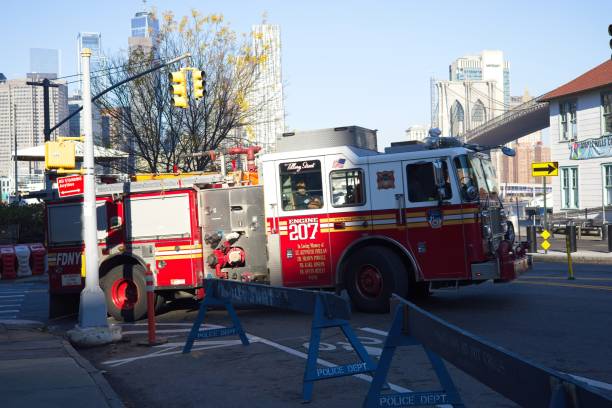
[{"x": 581, "y": 141}]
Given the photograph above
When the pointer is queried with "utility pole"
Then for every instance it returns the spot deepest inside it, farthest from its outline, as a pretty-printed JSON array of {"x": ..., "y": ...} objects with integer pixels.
[{"x": 46, "y": 84}]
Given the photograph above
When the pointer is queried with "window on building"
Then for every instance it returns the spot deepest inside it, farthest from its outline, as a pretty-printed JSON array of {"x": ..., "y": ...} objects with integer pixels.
[
  {"x": 301, "y": 185},
  {"x": 608, "y": 184},
  {"x": 422, "y": 182},
  {"x": 457, "y": 119},
  {"x": 569, "y": 187},
  {"x": 568, "y": 125},
  {"x": 606, "y": 104},
  {"x": 347, "y": 189},
  {"x": 478, "y": 114}
]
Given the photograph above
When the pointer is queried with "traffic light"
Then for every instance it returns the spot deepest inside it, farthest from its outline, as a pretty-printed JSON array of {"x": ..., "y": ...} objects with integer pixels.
[
  {"x": 199, "y": 83},
  {"x": 178, "y": 88}
]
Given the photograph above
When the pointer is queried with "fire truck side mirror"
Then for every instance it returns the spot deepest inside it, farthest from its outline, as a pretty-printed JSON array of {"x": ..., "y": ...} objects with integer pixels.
[{"x": 439, "y": 179}]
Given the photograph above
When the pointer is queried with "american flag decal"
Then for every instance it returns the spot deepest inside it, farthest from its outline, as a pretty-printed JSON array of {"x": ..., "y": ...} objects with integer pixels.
[{"x": 339, "y": 163}]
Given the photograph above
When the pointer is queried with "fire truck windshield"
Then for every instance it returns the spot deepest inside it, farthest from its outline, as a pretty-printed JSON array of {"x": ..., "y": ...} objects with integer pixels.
[{"x": 476, "y": 170}]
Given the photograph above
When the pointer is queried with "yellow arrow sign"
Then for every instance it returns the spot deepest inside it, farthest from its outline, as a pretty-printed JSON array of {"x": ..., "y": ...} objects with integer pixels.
[{"x": 545, "y": 169}]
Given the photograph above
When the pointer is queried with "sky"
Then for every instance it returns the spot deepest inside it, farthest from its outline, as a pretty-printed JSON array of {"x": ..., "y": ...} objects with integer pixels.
[{"x": 347, "y": 62}]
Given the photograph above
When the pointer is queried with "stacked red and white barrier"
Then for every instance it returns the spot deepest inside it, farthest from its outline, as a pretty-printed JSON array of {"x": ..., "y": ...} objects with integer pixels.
[{"x": 22, "y": 260}]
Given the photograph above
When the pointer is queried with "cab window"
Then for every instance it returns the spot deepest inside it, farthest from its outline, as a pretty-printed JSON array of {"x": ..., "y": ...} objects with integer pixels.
[
  {"x": 347, "y": 189},
  {"x": 422, "y": 182},
  {"x": 301, "y": 185}
]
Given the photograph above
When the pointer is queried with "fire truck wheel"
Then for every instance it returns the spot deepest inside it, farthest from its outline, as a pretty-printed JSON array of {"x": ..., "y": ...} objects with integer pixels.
[
  {"x": 372, "y": 274},
  {"x": 125, "y": 291}
]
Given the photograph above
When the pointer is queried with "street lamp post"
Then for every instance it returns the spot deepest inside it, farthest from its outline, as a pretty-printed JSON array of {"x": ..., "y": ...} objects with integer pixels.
[{"x": 92, "y": 327}]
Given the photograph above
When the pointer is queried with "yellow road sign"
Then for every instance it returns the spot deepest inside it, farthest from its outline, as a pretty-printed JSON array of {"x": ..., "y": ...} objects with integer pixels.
[
  {"x": 545, "y": 169},
  {"x": 545, "y": 234},
  {"x": 545, "y": 245}
]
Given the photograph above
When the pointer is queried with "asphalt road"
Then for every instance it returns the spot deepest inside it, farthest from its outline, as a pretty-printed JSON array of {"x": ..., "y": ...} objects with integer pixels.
[{"x": 560, "y": 323}]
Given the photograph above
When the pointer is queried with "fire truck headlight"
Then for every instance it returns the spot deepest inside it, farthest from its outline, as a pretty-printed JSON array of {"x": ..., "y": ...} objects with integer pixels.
[
  {"x": 486, "y": 231},
  {"x": 161, "y": 264}
]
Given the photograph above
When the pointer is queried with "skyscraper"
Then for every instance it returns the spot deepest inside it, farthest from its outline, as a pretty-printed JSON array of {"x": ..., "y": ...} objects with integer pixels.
[
  {"x": 45, "y": 61},
  {"x": 93, "y": 41},
  {"x": 145, "y": 30},
  {"x": 267, "y": 98},
  {"x": 489, "y": 65}
]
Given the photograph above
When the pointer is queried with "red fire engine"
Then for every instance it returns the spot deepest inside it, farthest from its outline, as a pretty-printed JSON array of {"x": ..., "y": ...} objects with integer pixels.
[{"x": 332, "y": 214}]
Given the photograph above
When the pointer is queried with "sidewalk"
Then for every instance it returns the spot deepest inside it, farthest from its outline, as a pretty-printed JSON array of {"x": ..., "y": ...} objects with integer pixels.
[{"x": 41, "y": 369}]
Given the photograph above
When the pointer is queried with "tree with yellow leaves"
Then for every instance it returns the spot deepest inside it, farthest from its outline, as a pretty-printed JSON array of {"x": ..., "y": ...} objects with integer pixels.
[{"x": 142, "y": 120}]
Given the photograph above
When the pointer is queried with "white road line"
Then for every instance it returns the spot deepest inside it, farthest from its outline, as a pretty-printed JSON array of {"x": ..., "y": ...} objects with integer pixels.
[
  {"x": 158, "y": 331},
  {"x": 166, "y": 352},
  {"x": 166, "y": 324},
  {"x": 9, "y": 317},
  {"x": 10, "y": 305},
  {"x": 325, "y": 363},
  {"x": 9, "y": 311},
  {"x": 374, "y": 331},
  {"x": 11, "y": 296}
]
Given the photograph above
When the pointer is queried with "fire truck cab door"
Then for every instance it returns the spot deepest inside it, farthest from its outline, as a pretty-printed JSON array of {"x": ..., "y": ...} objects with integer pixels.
[
  {"x": 387, "y": 200},
  {"x": 302, "y": 190},
  {"x": 434, "y": 226}
]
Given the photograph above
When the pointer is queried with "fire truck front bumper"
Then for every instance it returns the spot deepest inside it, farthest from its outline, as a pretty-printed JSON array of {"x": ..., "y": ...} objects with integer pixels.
[{"x": 503, "y": 270}]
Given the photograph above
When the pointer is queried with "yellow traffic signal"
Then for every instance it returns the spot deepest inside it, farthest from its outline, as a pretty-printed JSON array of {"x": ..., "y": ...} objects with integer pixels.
[
  {"x": 199, "y": 83},
  {"x": 60, "y": 155},
  {"x": 178, "y": 89}
]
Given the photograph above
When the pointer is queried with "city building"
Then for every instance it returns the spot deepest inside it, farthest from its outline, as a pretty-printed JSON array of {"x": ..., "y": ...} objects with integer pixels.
[
  {"x": 581, "y": 141},
  {"x": 488, "y": 65},
  {"x": 21, "y": 121},
  {"x": 2, "y": 78},
  {"x": 75, "y": 124},
  {"x": 268, "y": 122},
  {"x": 45, "y": 62},
  {"x": 417, "y": 132},
  {"x": 144, "y": 32},
  {"x": 93, "y": 41},
  {"x": 478, "y": 90}
]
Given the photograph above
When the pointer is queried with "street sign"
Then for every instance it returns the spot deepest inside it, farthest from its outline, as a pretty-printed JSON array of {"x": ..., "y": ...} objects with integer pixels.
[
  {"x": 545, "y": 169},
  {"x": 545, "y": 244},
  {"x": 70, "y": 186}
]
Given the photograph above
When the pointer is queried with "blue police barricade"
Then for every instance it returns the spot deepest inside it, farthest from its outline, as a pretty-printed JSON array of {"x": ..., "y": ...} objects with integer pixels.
[
  {"x": 328, "y": 310},
  {"x": 524, "y": 382}
]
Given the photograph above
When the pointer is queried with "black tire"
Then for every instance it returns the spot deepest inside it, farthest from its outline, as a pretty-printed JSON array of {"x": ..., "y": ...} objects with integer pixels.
[
  {"x": 372, "y": 274},
  {"x": 124, "y": 287}
]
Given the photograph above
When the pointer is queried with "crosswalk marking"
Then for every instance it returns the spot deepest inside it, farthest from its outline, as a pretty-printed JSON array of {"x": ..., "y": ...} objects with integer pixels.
[{"x": 12, "y": 298}]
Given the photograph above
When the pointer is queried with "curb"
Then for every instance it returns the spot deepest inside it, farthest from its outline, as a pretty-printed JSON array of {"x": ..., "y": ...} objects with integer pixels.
[
  {"x": 112, "y": 398},
  {"x": 576, "y": 259}
]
